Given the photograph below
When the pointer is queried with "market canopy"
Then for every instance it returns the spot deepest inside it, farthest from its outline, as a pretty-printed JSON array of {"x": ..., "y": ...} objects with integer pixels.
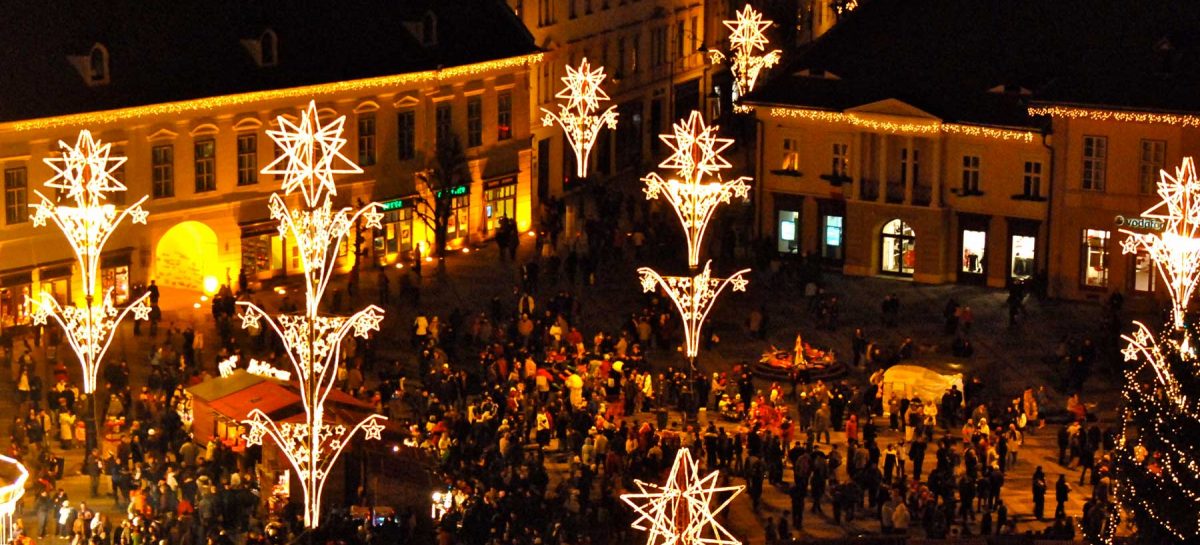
[{"x": 908, "y": 381}]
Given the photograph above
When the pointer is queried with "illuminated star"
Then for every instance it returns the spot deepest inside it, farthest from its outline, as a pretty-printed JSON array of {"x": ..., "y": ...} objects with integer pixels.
[
  {"x": 373, "y": 430},
  {"x": 141, "y": 311},
  {"x": 250, "y": 318},
  {"x": 366, "y": 322},
  {"x": 582, "y": 91},
  {"x": 748, "y": 30},
  {"x": 738, "y": 283},
  {"x": 138, "y": 214},
  {"x": 1130, "y": 352},
  {"x": 649, "y": 283},
  {"x": 682, "y": 511},
  {"x": 84, "y": 172},
  {"x": 696, "y": 149},
  {"x": 310, "y": 155},
  {"x": 255, "y": 436},
  {"x": 373, "y": 217}
]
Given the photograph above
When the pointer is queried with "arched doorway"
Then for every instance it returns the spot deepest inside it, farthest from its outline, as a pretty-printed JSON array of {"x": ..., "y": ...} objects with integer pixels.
[
  {"x": 898, "y": 248},
  {"x": 185, "y": 255}
]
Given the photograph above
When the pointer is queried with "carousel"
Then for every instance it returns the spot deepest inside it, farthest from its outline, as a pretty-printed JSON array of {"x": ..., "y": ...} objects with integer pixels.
[{"x": 805, "y": 363}]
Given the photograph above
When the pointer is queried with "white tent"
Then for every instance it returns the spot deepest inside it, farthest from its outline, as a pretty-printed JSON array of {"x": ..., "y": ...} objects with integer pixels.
[{"x": 908, "y": 381}]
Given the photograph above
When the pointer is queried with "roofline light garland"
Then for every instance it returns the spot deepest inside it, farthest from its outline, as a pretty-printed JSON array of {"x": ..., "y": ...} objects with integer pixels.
[
  {"x": 224, "y": 101},
  {"x": 83, "y": 174},
  {"x": 578, "y": 117},
  {"x": 310, "y": 156},
  {"x": 928, "y": 128},
  {"x": 1095, "y": 114}
]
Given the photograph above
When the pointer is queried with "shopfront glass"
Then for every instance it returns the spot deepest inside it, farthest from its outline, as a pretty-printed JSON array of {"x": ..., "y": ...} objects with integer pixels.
[
  {"x": 14, "y": 305},
  {"x": 1021, "y": 262},
  {"x": 789, "y": 225},
  {"x": 261, "y": 254},
  {"x": 974, "y": 245},
  {"x": 1143, "y": 273},
  {"x": 1095, "y": 258},
  {"x": 460, "y": 214},
  {"x": 396, "y": 235},
  {"x": 58, "y": 288},
  {"x": 832, "y": 239},
  {"x": 898, "y": 248},
  {"x": 501, "y": 202}
]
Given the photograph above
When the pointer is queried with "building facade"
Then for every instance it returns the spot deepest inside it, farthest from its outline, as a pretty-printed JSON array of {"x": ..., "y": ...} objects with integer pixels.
[{"x": 198, "y": 156}]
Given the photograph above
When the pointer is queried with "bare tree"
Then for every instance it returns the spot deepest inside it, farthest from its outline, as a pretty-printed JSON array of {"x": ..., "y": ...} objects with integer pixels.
[{"x": 446, "y": 173}]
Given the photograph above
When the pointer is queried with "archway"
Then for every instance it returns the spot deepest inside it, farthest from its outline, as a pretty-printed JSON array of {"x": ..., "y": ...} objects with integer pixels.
[
  {"x": 185, "y": 255},
  {"x": 897, "y": 248}
]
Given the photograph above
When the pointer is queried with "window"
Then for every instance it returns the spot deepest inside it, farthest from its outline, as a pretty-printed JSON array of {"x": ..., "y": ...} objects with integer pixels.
[
  {"x": 458, "y": 224},
  {"x": 841, "y": 160},
  {"x": 620, "y": 59},
  {"x": 791, "y": 155},
  {"x": 970, "y": 174},
  {"x": 444, "y": 122},
  {"x": 98, "y": 64},
  {"x": 1143, "y": 272},
  {"x": 572, "y": 12},
  {"x": 1151, "y": 161},
  {"x": 545, "y": 12},
  {"x": 1021, "y": 262},
  {"x": 118, "y": 174},
  {"x": 474, "y": 121},
  {"x": 1095, "y": 154},
  {"x": 501, "y": 202},
  {"x": 546, "y": 83},
  {"x": 789, "y": 222},
  {"x": 247, "y": 159},
  {"x": 905, "y": 153},
  {"x": 366, "y": 140},
  {"x": 504, "y": 115},
  {"x": 1095, "y": 258},
  {"x": 974, "y": 244},
  {"x": 16, "y": 203},
  {"x": 635, "y": 54},
  {"x": 406, "y": 124},
  {"x": 832, "y": 239},
  {"x": 587, "y": 7},
  {"x": 162, "y": 171},
  {"x": 429, "y": 29},
  {"x": 898, "y": 248},
  {"x": 1033, "y": 179},
  {"x": 680, "y": 50},
  {"x": 695, "y": 35},
  {"x": 659, "y": 45},
  {"x": 267, "y": 44},
  {"x": 206, "y": 159}
]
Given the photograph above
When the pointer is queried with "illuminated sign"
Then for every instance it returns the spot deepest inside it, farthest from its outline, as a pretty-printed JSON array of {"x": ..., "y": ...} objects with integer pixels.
[
  {"x": 1149, "y": 224},
  {"x": 455, "y": 191},
  {"x": 394, "y": 204}
]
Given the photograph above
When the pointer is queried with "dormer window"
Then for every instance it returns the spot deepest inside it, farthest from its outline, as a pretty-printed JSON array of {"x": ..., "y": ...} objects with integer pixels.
[
  {"x": 267, "y": 45},
  {"x": 429, "y": 29},
  {"x": 265, "y": 49},
  {"x": 93, "y": 66}
]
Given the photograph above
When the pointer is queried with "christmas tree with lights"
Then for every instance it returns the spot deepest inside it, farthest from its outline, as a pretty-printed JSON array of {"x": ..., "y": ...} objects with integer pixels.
[{"x": 1157, "y": 459}]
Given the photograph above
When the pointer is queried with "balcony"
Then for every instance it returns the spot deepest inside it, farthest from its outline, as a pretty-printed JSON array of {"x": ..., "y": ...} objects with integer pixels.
[
  {"x": 869, "y": 190},
  {"x": 895, "y": 192},
  {"x": 922, "y": 195}
]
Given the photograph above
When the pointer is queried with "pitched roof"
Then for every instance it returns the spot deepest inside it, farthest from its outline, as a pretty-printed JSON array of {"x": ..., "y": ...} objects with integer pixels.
[
  {"x": 943, "y": 56},
  {"x": 163, "y": 51}
]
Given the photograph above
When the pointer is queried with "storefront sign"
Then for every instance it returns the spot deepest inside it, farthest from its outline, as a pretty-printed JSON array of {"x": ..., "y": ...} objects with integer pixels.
[
  {"x": 498, "y": 182},
  {"x": 394, "y": 204},
  {"x": 455, "y": 191},
  {"x": 1149, "y": 224}
]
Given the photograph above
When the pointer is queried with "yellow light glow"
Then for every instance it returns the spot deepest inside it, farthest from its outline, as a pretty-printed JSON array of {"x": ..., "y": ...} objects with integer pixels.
[
  {"x": 203, "y": 298},
  {"x": 697, "y": 154},
  {"x": 1179, "y": 120},
  {"x": 83, "y": 175},
  {"x": 915, "y": 128},
  {"x": 196, "y": 305},
  {"x": 747, "y": 40},
  {"x": 10, "y": 498},
  {"x": 683, "y": 511},
  {"x": 578, "y": 117},
  {"x": 208, "y": 105},
  {"x": 693, "y": 296},
  {"x": 399, "y": 265},
  {"x": 466, "y": 250},
  {"x": 210, "y": 285},
  {"x": 309, "y": 160},
  {"x": 428, "y": 259}
]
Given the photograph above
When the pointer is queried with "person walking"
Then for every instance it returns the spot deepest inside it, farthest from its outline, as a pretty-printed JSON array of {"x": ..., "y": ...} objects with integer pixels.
[{"x": 1062, "y": 493}]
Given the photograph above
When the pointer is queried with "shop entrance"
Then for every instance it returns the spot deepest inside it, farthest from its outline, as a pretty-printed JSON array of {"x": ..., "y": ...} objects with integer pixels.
[{"x": 185, "y": 255}]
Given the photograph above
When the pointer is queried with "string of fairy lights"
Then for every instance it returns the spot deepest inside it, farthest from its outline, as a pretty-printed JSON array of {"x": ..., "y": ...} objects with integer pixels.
[
  {"x": 930, "y": 127},
  {"x": 310, "y": 157}
]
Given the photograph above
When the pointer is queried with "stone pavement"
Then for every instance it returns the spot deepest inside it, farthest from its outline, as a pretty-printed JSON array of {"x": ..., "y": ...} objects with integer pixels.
[{"x": 1009, "y": 359}]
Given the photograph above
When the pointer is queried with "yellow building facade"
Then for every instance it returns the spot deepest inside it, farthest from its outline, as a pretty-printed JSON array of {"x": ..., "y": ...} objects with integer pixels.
[
  {"x": 199, "y": 161},
  {"x": 887, "y": 189}
]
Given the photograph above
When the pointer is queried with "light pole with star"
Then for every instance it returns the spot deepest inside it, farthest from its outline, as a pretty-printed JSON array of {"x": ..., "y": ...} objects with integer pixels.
[
  {"x": 683, "y": 511},
  {"x": 580, "y": 118},
  {"x": 83, "y": 176},
  {"x": 749, "y": 44},
  {"x": 310, "y": 157}
]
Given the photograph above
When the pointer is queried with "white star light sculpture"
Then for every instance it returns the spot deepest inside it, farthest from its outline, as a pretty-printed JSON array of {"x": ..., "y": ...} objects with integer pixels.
[
  {"x": 694, "y": 296},
  {"x": 578, "y": 118},
  {"x": 696, "y": 157},
  {"x": 683, "y": 511},
  {"x": 83, "y": 174},
  {"x": 311, "y": 156},
  {"x": 750, "y": 55}
]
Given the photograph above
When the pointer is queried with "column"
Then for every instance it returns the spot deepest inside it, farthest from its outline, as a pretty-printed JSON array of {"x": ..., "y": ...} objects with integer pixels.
[
  {"x": 935, "y": 192},
  {"x": 908, "y": 169},
  {"x": 881, "y": 168}
]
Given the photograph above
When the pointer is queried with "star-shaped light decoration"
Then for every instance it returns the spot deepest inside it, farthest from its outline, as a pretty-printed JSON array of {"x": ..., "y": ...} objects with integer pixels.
[
  {"x": 749, "y": 44},
  {"x": 694, "y": 296},
  {"x": 311, "y": 158},
  {"x": 83, "y": 176},
  {"x": 683, "y": 510},
  {"x": 373, "y": 430},
  {"x": 696, "y": 157},
  {"x": 578, "y": 117}
]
